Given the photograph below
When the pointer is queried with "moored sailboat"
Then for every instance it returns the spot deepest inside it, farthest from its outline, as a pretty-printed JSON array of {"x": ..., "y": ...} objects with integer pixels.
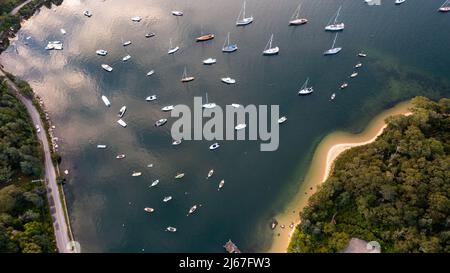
[
  {"x": 185, "y": 77},
  {"x": 335, "y": 26},
  {"x": 227, "y": 47},
  {"x": 333, "y": 50},
  {"x": 269, "y": 50},
  {"x": 241, "y": 19},
  {"x": 295, "y": 18},
  {"x": 305, "y": 90}
]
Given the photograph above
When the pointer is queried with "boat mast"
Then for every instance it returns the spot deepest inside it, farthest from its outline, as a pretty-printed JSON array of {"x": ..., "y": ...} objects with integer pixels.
[
  {"x": 296, "y": 12},
  {"x": 334, "y": 41},
  {"x": 184, "y": 73},
  {"x": 170, "y": 43},
  {"x": 243, "y": 11},
  {"x": 337, "y": 15}
]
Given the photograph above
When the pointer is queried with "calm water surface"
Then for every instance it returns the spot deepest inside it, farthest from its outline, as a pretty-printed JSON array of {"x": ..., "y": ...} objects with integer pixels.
[{"x": 408, "y": 55}]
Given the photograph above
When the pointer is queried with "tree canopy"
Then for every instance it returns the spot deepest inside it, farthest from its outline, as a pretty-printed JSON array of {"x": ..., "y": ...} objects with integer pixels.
[{"x": 395, "y": 191}]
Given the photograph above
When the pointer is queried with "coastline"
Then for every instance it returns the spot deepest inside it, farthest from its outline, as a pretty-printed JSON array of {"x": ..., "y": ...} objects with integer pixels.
[{"x": 321, "y": 165}]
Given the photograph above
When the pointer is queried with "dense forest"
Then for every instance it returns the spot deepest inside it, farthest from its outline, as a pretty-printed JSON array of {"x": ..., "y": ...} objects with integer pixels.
[
  {"x": 25, "y": 222},
  {"x": 395, "y": 191}
]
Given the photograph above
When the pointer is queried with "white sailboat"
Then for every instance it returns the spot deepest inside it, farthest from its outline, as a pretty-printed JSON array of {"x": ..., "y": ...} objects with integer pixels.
[
  {"x": 305, "y": 90},
  {"x": 208, "y": 105},
  {"x": 227, "y": 47},
  {"x": 398, "y": 2},
  {"x": 171, "y": 48},
  {"x": 122, "y": 111},
  {"x": 335, "y": 26},
  {"x": 333, "y": 50},
  {"x": 241, "y": 19},
  {"x": 269, "y": 50},
  {"x": 445, "y": 7},
  {"x": 185, "y": 77},
  {"x": 295, "y": 18}
]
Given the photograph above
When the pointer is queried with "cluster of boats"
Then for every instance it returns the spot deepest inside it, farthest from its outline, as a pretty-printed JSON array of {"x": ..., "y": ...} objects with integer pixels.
[{"x": 335, "y": 25}]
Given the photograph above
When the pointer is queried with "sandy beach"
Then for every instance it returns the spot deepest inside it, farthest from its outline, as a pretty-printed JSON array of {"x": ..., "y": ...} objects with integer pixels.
[{"x": 321, "y": 165}]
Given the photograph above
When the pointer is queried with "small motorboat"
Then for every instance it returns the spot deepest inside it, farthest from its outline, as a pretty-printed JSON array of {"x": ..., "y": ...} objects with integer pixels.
[
  {"x": 167, "y": 108},
  {"x": 63, "y": 31},
  {"x": 176, "y": 142},
  {"x": 154, "y": 183},
  {"x": 398, "y": 2},
  {"x": 126, "y": 58},
  {"x": 149, "y": 210},
  {"x": 209, "y": 61},
  {"x": 127, "y": 43},
  {"x": 361, "y": 54},
  {"x": 121, "y": 156},
  {"x": 214, "y": 146},
  {"x": 106, "y": 101},
  {"x": 240, "y": 126},
  {"x": 221, "y": 184},
  {"x": 228, "y": 80},
  {"x": 273, "y": 224},
  {"x": 210, "y": 173},
  {"x": 354, "y": 74},
  {"x": 179, "y": 176},
  {"x": 87, "y": 13},
  {"x": 193, "y": 209},
  {"x": 333, "y": 96},
  {"x": 136, "y": 19},
  {"x": 167, "y": 198},
  {"x": 150, "y": 35},
  {"x": 171, "y": 229},
  {"x": 101, "y": 52},
  {"x": 107, "y": 67},
  {"x": 135, "y": 174},
  {"x": 160, "y": 122},
  {"x": 282, "y": 120},
  {"x": 204, "y": 38},
  {"x": 54, "y": 45},
  {"x": 177, "y": 13},
  {"x": 122, "y": 111},
  {"x": 151, "y": 98},
  {"x": 122, "y": 123},
  {"x": 358, "y": 65},
  {"x": 151, "y": 72},
  {"x": 344, "y": 85},
  {"x": 101, "y": 146}
]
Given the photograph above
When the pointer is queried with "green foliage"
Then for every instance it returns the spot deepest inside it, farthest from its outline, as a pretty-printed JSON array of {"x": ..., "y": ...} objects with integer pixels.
[
  {"x": 395, "y": 190},
  {"x": 25, "y": 223}
]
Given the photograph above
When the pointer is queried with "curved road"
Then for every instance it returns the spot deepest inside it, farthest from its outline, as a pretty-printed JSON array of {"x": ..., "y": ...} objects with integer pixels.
[
  {"x": 16, "y": 9},
  {"x": 56, "y": 208}
]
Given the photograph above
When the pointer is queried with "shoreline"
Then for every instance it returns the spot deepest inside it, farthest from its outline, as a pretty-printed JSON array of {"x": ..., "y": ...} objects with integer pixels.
[{"x": 321, "y": 166}]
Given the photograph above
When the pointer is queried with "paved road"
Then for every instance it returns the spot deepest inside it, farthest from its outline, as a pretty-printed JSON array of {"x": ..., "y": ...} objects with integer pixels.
[
  {"x": 56, "y": 209},
  {"x": 16, "y": 9}
]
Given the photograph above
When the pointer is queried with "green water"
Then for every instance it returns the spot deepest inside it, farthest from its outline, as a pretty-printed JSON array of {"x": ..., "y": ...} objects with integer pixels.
[{"x": 408, "y": 55}]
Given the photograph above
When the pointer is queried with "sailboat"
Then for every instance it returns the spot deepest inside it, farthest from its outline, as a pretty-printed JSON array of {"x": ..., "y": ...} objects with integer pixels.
[
  {"x": 242, "y": 20},
  {"x": 305, "y": 90},
  {"x": 269, "y": 50},
  {"x": 295, "y": 20},
  {"x": 227, "y": 47},
  {"x": 171, "y": 48},
  {"x": 185, "y": 77},
  {"x": 208, "y": 105},
  {"x": 333, "y": 50},
  {"x": 398, "y": 2},
  {"x": 445, "y": 7},
  {"x": 335, "y": 26}
]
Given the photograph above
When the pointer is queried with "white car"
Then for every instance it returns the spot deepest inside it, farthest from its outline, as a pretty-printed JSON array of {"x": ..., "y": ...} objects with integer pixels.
[{"x": 38, "y": 129}]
